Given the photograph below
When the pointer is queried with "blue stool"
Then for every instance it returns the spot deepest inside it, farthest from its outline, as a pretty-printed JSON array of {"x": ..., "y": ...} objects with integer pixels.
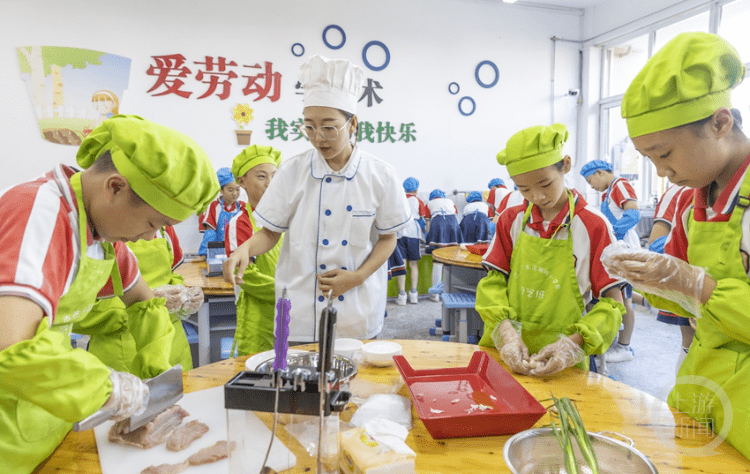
[
  {"x": 226, "y": 348},
  {"x": 74, "y": 340},
  {"x": 190, "y": 332},
  {"x": 461, "y": 302}
]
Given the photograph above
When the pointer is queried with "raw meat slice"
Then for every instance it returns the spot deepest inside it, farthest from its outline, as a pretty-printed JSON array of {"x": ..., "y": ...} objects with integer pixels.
[
  {"x": 213, "y": 453},
  {"x": 167, "y": 468},
  {"x": 184, "y": 435},
  {"x": 152, "y": 433}
]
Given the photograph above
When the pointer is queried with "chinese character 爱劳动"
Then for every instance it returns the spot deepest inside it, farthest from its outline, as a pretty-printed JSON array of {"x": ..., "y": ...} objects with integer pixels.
[
  {"x": 217, "y": 76},
  {"x": 167, "y": 69},
  {"x": 272, "y": 79},
  {"x": 369, "y": 92}
]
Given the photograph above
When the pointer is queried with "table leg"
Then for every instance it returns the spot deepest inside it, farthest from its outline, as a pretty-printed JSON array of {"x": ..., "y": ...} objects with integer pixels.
[{"x": 204, "y": 335}]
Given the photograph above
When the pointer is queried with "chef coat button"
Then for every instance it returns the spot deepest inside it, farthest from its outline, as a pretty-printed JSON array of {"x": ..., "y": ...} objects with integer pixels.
[
  {"x": 328, "y": 212},
  {"x": 341, "y": 297},
  {"x": 321, "y": 298},
  {"x": 343, "y": 268},
  {"x": 344, "y": 242},
  {"x": 348, "y": 208},
  {"x": 325, "y": 241},
  {"x": 328, "y": 180},
  {"x": 323, "y": 267}
]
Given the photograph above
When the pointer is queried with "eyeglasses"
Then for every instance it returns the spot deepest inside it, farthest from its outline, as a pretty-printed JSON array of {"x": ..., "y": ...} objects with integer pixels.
[{"x": 327, "y": 132}]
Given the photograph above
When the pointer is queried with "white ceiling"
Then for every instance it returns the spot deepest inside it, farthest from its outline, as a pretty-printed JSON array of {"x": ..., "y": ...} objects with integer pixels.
[{"x": 567, "y": 3}]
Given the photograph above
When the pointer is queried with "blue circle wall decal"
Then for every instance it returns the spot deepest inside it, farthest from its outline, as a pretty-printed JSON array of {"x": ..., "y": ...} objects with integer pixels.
[
  {"x": 451, "y": 90},
  {"x": 387, "y": 55},
  {"x": 340, "y": 30},
  {"x": 493, "y": 66},
  {"x": 301, "y": 52},
  {"x": 473, "y": 105}
]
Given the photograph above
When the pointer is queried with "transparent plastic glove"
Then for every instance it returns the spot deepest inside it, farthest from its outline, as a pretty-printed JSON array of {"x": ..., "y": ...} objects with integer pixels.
[
  {"x": 195, "y": 298},
  {"x": 661, "y": 275},
  {"x": 129, "y": 395},
  {"x": 174, "y": 294},
  {"x": 556, "y": 356},
  {"x": 513, "y": 351}
]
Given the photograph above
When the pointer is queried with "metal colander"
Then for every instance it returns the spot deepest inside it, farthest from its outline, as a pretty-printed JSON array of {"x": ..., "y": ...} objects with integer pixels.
[
  {"x": 345, "y": 368},
  {"x": 536, "y": 451}
]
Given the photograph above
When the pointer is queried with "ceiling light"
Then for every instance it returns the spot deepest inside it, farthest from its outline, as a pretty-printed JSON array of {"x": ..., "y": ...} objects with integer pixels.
[{"x": 509, "y": 1}]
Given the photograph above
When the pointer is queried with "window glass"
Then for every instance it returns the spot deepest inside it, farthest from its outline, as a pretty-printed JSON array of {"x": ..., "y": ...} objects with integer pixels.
[
  {"x": 626, "y": 161},
  {"x": 694, "y": 23},
  {"x": 625, "y": 60},
  {"x": 735, "y": 18}
]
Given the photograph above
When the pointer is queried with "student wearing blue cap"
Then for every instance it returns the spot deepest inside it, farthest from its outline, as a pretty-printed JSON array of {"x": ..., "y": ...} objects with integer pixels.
[
  {"x": 498, "y": 191},
  {"x": 475, "y": 223},
  {"x": 408, "y": 243},
  {"x": 221, "y": 211},
  {"x": 620, "y": 206},
  {"x": 443, "y": 231}
]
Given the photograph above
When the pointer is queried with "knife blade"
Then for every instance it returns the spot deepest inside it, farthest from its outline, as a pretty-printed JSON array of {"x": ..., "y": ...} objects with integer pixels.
[{"x": 164, "y": 391}]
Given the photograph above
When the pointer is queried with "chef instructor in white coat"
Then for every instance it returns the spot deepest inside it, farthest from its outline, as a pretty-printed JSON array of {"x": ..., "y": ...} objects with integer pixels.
[{"x": 340, "y": 208}]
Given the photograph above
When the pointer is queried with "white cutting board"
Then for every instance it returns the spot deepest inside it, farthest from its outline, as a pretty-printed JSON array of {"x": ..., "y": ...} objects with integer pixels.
[{"x": 207, "y": 406}]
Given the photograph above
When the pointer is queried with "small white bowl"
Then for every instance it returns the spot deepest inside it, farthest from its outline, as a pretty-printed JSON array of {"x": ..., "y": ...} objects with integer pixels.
[
  {"x": 380, "y": 353},
  {"x": 350, "y": 348}
]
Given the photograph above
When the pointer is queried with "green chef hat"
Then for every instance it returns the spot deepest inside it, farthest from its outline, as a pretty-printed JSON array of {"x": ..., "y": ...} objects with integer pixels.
[
  {"x": 534, "y": 148},
  {"x": 685, "y": 81},
  {"x": 252, "y": 156},
  {"x": 165, "y": 168}
]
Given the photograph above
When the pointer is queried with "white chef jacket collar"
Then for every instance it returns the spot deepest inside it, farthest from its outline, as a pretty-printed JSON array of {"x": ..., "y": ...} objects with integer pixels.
[{"x": 319, "y": 169}]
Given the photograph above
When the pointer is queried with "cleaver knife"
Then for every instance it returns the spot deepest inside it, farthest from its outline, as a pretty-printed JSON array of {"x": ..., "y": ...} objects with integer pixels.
[{"x": 164, "y": 390}]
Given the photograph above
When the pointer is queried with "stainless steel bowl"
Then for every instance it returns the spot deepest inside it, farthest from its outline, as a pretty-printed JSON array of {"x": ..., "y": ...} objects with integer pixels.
[
  {"x": 536, "y": 451},
  {"x": 344, "y": 367}
]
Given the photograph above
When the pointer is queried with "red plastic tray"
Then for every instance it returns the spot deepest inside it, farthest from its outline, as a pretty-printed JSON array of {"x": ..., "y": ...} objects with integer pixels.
[
  {"x": 444, "y": 399},
  {"x": 479, "y": 249}
]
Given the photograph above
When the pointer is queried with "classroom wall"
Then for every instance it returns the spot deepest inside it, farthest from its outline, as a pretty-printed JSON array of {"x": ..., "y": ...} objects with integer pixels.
[{"x": 432, "y": 43}]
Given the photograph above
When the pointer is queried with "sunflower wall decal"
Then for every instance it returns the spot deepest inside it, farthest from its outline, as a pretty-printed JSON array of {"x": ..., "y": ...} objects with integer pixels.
[{"x": 243, "y": 114}]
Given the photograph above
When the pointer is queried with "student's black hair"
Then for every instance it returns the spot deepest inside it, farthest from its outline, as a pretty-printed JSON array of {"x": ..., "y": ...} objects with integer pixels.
[
  {"x": 697, "y": 127},
  {"x": 348, "y": 116},
  {"x": 103, "y": 165},
  {"x": 559, "y": 165}
]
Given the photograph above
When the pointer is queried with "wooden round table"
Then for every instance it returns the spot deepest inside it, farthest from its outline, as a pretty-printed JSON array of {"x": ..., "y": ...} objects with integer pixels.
[{"x": 670, "y": 439}]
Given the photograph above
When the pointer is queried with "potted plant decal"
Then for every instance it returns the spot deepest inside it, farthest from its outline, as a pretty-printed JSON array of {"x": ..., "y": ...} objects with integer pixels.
[{"x": 243, "y": 114}]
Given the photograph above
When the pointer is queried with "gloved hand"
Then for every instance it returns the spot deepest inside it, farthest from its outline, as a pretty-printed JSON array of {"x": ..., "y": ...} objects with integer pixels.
[
  {"x": 661, "y": 275},
  {"x": 658, "y": 244},
  {"x": 181, "y": 300},
  {"x": 628, "y": 220},
  {"x": 129, "y": 395},
  {"x": 513, "y": 351},
  {"x": 556, "y": 356}
]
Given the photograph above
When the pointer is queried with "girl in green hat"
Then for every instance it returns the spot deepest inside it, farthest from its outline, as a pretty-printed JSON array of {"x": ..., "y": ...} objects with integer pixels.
[
  {"x": 678, "y": 112},
  {"x": 544, "y": 265}
]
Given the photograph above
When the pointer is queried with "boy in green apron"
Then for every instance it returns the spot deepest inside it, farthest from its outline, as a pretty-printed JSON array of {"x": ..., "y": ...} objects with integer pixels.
[
  {"x": 542, "y": 261},
  {"x": 254, "y": 167},
  {"x": 678, "y": 112},
  {"x": 57, "y": 258}
]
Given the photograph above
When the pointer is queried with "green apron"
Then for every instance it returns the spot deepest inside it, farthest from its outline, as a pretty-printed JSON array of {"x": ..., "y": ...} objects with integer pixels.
[
  {"x": 713, "y": 354},
  {"x": 256, "y": 303},
  {"x": 30, "y": 433},
  {"x": 543, "y": 287},
  {"x": 110, "y": 339}
]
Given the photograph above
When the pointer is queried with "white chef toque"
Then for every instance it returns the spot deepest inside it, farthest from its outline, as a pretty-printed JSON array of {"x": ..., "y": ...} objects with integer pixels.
[{"x": 335, "y": 83}]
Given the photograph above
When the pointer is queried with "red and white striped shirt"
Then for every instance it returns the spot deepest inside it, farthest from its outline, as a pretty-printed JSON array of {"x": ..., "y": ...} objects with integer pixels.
[
  {"x": 495, "y": 197},
  {"x": 211, "y": 216},
  {"x": 40, "y": 244},
  {"x": 592, "y": 233},
  {"x": 665, "y": 209},
  {"x": 621, "y": 192},
  {"x": 237, "y": 231},
  {"x": 696, "y": 200}
]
